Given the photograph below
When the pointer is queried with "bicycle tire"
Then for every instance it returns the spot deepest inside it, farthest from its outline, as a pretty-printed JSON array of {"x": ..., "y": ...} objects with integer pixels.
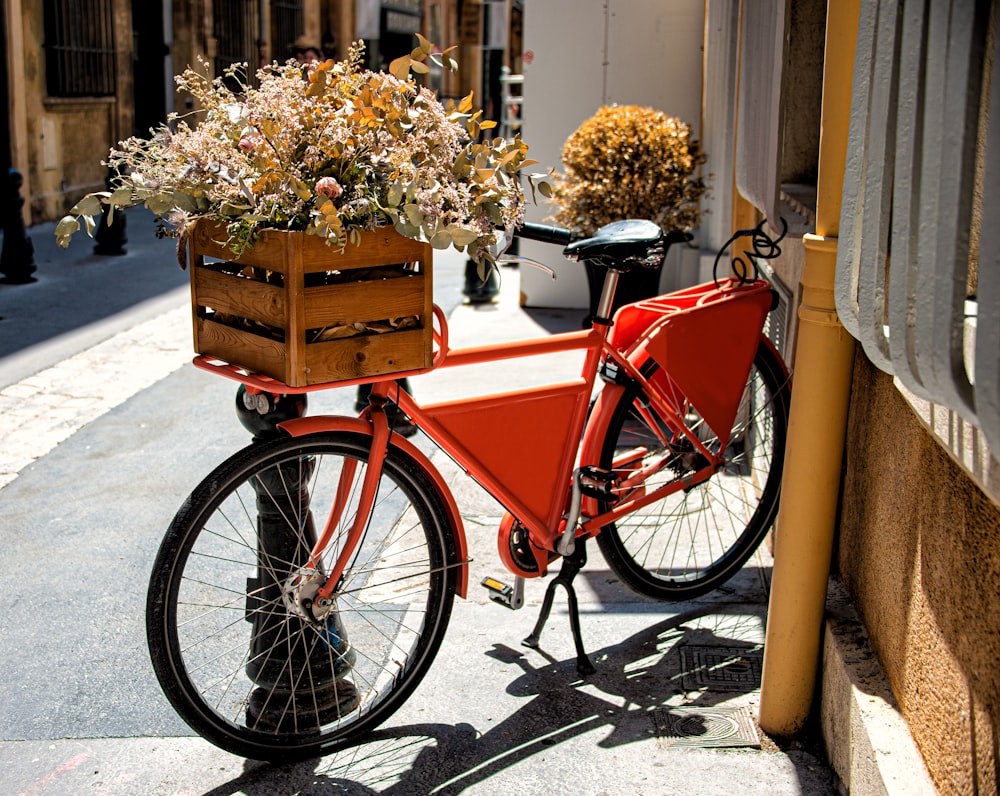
[
  {"x": 238, "y": 664},
  {"x": 696, "y": 539}
]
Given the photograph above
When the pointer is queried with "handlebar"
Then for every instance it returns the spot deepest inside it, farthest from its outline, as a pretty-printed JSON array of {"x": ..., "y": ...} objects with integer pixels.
[{"x": 545, "y": 234}]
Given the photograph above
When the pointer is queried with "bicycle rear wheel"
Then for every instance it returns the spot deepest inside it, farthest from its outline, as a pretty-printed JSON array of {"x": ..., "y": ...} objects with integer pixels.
[
  {"x": 695, "y": 539},
  {"x": 235, "y": 652}
]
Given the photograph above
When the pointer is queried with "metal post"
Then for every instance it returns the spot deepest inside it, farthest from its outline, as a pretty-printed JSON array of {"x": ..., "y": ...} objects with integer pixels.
[
  {"x": 817, "y": 425},
  {"x": 17, "y": 260},
  {"x": 280, "y": 702}
]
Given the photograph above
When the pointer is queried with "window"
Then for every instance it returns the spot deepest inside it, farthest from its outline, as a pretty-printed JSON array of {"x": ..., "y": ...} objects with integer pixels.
[
  {"x": 236, "y": 27},
  {"x": 79, "y": 48},
  {"x": 286, "y": 22}
]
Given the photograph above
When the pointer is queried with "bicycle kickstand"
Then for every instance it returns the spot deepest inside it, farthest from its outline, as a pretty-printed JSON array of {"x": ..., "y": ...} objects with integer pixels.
[{"x": 571, "y": 566}]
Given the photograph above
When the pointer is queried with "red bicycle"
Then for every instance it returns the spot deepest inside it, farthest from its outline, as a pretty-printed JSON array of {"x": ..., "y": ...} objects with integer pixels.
[{"x": 304, "y": 587}]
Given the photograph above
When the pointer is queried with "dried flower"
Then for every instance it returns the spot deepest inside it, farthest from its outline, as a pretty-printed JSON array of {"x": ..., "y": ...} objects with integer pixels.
[
  {"x": 329, "y": 149},
  {"x": 328, "y": 187},
  {"x": 630, "y": 162}
]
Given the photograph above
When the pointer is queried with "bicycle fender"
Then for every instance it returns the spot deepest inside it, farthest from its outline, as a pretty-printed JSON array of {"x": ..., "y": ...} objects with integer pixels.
[{"x": 302, "y": 426}]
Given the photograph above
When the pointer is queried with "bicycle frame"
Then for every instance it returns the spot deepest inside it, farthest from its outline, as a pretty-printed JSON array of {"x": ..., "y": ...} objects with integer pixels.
[{"x": 704, "y": 339}]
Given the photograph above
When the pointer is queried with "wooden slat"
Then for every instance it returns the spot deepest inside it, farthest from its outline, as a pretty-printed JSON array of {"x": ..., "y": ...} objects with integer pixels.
[
  {"x": 379, "y": 247},
  {"x": 238, "y": 296},
  {"x": 367, "y": 355},
  {"x": 239, "y": 347},
  {"x": 332, "y": 305}
]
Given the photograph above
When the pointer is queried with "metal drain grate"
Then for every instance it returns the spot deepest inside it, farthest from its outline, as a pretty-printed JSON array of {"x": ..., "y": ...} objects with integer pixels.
[
  {"x": 705, "y": 728},
  {"x": 721, "y": 668}
]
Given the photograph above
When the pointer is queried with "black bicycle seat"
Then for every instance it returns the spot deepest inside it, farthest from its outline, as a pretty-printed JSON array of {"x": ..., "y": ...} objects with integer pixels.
[{"x": 620, "y": 242}]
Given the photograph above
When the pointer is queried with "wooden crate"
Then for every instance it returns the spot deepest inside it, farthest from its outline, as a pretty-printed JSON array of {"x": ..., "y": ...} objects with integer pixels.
[{"x": 264, "y": 310}]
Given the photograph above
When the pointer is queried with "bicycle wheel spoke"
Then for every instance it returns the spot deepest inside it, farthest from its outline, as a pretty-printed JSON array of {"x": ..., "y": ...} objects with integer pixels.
[
  {"x": 238, "y": 644},
  {"x": 693, "y": 539}
]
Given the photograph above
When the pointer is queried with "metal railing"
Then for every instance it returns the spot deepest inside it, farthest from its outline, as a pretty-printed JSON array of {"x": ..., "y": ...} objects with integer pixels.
[{"x": 918, "y": 268}]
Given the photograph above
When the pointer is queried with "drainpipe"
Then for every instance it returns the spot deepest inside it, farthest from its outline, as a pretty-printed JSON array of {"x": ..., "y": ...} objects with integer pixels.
[{"x": 817, "y": 423}]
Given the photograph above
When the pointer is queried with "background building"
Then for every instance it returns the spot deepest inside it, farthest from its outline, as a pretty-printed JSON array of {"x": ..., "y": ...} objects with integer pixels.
[{"x": 80, "y": 75}]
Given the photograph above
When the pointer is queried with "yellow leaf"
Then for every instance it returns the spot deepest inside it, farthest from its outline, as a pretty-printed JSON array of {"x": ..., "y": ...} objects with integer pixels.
[
  {"x": 466, "y": 104},
  {"x": 419, "y": 68},
  {"x": 400, "y": 68},
  {"x": 425, "y": 46}
]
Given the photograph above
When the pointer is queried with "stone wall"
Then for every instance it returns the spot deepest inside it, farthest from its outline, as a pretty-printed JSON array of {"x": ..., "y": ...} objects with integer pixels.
[{"x": 919, "y": 551}]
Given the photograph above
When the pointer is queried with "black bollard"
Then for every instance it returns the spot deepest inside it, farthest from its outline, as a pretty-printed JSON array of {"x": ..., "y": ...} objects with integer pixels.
[
  {"x": 279, "y": 702},
  {"x": 110, "y": 237},
  {"x": 477, "y": 289},
  {"x": 17, "y": 260}
]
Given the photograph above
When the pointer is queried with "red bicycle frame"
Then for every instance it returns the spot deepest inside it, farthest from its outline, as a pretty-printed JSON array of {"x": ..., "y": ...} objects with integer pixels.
[{"x": 523, "y": 445}]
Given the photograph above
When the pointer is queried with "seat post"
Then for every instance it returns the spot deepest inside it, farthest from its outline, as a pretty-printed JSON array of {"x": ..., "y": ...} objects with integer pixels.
[{"x": 603, "y": 314}]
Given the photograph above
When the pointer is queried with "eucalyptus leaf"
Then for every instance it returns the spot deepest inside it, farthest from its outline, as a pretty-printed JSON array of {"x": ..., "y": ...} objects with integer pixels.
[
  {"x": 160, "y": 203},
  {"x": 65, "y": 230},
  {"x": 441, "y": 239},
  {"x": 90, "y": 205},
  {"x": 461, "y": 236},
  {"x": 394, "y": 195},
  {"x": 413, "y": 215},
  {"x": 122, "y": 197}
]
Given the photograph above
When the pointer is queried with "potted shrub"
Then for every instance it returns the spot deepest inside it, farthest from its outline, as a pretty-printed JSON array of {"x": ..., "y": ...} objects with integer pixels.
[{"x": 630, "y": 161}]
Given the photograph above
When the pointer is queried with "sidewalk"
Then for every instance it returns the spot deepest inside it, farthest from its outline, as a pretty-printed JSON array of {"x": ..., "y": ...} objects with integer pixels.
[{"x": 676, "y": 683}]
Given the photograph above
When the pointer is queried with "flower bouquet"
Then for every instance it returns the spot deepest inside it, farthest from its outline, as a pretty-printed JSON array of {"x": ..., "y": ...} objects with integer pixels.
[
  {"x": 308, "y": 204},
  {"x": 330, "y": 149}
]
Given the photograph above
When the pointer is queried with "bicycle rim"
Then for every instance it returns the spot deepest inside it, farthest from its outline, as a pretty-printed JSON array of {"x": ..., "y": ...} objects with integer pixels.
[
  {"x": 695, "y": 539},
  {"x": 229, "y": 643}
]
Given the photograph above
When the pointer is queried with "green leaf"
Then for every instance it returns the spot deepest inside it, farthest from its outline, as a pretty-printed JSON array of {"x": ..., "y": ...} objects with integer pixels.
[
  {"x": 160, "y": 203},
  {"x": 409, "y": 230},
  {"x": 413, "y": 215},
  {"x": 65, "y": 230},
  {"x": 90, "y": 205},
  {"x": 122, "y": 197},
  {"x": 441, "y": 239},
  {"x": 182, "y": 201},
  {"x": 394, "y": 195},
  {"x": 462, "y": 236}
]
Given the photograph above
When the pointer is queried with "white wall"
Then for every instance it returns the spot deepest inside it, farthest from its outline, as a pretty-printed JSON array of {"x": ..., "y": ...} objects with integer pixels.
[{"x": 589, "y": 53}]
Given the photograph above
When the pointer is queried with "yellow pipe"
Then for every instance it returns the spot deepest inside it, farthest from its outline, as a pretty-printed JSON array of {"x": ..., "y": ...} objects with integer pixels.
[{"x": 823, "y": 366}]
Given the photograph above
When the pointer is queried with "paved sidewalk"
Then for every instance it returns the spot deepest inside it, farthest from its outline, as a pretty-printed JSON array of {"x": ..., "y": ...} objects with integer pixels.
[
  {"x": 84, "y": 715},
  {"x": 39, "y": 412}
]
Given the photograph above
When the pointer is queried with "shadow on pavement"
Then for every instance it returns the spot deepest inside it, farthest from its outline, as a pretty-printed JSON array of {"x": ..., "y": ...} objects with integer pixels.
[
  {"x": 75, "y": 288},
  {"x": 635, "y": 677}
]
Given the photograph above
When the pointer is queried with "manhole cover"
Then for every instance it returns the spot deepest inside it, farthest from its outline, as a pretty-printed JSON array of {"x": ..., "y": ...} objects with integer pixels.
[
  {"x": 721, "y": 668},
  {"x": 705, "y": 728}
]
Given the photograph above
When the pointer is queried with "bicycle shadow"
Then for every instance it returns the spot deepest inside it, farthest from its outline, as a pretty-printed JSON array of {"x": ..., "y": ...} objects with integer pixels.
[{"x": 635, "y": 676}]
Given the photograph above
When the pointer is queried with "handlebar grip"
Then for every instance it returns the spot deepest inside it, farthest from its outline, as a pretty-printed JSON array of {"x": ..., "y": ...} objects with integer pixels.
[{"x": 545, "y": 234}]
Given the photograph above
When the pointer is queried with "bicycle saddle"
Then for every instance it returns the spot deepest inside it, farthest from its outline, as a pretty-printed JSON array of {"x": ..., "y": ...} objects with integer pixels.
[{"x": 622, "y": 244}]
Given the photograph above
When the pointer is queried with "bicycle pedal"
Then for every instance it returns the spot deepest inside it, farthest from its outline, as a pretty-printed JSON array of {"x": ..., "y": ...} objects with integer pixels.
[{"x": 510, "y": 596}]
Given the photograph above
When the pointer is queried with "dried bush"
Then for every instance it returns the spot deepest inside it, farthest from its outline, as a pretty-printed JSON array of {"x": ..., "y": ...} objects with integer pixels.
[{"x": 629, "y": 161}]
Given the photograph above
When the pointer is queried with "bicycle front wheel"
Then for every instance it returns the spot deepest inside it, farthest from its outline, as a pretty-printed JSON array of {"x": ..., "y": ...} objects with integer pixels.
[
  {"x": 695, "y": 539},
  {"x": 239, "y": 645}
]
